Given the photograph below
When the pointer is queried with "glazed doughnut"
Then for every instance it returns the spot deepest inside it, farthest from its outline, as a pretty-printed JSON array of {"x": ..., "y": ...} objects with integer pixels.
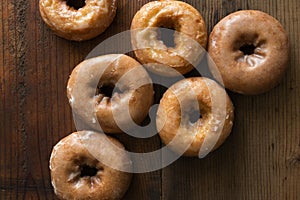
[
  {"x": 195, "y": 116},
  {"x": 190, "y": 37},
  {"x": 114, "y": 90},
  {"x": 251, "y": 51},
  {"x": 78, "y": 20},
  {"x": 77, "y": 170}
]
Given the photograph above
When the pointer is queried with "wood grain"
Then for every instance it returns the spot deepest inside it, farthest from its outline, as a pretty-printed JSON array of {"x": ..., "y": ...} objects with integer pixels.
[{"x": 260, "y": 160}]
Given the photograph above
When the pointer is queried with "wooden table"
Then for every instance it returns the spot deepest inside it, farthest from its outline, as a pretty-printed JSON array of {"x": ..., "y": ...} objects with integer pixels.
[{"x": 260, "y": 160}]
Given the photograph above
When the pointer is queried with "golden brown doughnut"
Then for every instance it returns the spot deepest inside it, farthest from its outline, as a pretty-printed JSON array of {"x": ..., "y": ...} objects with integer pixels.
[
  {"x": 130, "y": 102},
  {"x": 183, "y": 128},
  {"x": 77, "y": 170},
  {"x": 78, "y": 22},
  {"x": 191, "y": 31},
  {"x": 251, "y": 51}
]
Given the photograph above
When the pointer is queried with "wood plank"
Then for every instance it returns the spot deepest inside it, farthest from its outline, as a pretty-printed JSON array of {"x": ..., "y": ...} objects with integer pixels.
[
  {"x": 260, "y": 160},
  {"x": 39, "y": 64}
]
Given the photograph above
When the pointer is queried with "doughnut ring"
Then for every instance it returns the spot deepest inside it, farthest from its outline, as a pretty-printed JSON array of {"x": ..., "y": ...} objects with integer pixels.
[
  {"x": 251, "y": 51},
  {"x": 195, "y": 112},
  {"x": 77, "y": 19},
  {"x": 78, "y": 174},
  {"x": 190, "y": 37},
  {"x": 114, "y": 90}
]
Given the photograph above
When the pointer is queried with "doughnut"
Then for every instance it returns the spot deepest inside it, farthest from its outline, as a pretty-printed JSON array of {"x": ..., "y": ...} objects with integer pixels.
[
  {"x": 251, "y": 51},
  {"x": 195, "y": 116},
  {"x": 114, "y": 90},
  {"x": 78, "y": 20},
  {"x": 77, "y": 170},
  {"x": 190, "y": 37}
]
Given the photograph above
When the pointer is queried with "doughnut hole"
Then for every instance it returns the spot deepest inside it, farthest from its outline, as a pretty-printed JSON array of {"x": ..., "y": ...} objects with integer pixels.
[
  {"x": 167, "y": 36},
  {"x": 194, "y": 116},
  {"x": 194, "y": 113},
  {"x": 76, "y": 4},
  {"x": 250, "y": 49},
  {"x": 247, "y": 49},
  {"x": 107, "y": 89},
  {"x": 167, "y": 28},
  {"x": 88, "y": 171},
  {"x": 245, "y": 43},
  {"x": 85, "y": 169}
]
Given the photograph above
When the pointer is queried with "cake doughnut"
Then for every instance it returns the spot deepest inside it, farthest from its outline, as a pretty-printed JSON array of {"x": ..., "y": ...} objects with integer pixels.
[
  {"x": 78, "y": 19},
  {"x": 195, "y": 116},
  {"x": 114, "y": 90},
  {"x": 77, "y": 170},
  {"x": 190, "y": 37},
  {"x": 251, "y": 51}
]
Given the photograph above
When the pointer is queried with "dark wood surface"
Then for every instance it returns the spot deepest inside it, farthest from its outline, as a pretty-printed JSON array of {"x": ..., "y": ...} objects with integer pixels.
[{"x": 260, "y": 160}]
